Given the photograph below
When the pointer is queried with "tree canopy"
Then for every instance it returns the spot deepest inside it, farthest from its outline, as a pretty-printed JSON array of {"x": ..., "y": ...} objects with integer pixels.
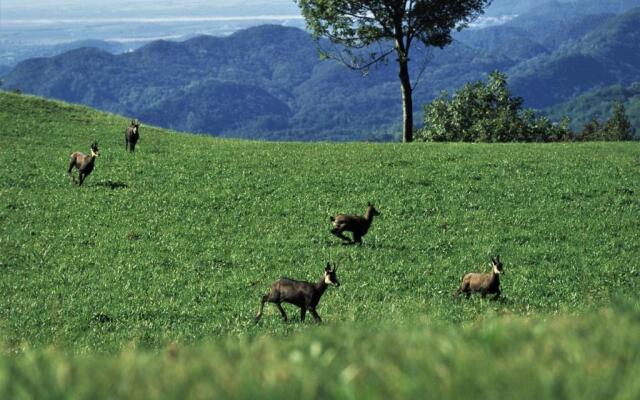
[
  {"x": 392, "y": 25},
  {"x": 487, "y": 112}
]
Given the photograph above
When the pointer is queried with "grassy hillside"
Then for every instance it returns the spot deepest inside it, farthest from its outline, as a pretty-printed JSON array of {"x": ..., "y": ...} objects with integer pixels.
[{"x": 179, "y": 241}]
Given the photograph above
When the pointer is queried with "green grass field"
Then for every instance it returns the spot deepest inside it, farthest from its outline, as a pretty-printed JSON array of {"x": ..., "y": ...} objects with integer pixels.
[{"x": 177, "y": 242}]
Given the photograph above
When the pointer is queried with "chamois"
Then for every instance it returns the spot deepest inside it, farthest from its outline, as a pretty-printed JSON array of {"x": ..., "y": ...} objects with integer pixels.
[
  {"x": 357, "y": 224},
  {"x": 485, "y": 283},
  {"x": 83, "y": 163},
  {"x": 131, "y": 135},
  {"x": 305, "y": 295}
]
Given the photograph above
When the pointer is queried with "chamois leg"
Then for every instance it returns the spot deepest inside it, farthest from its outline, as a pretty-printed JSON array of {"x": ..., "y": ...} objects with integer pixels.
[
  {"x": 497, "y": 295},
  {"x": 72, "y": 163},
  {"x": 338, "y": 233},
  {"x": 464, "y": 288},
  {"x": 284, "y": 314},
  {"x": 303, "y": 313},
  {"x": 81, "y": 179},
  {"x": 357, "y": 239},
  {"x": 315, "y": 315},
  {"x": 262, "y": 301}
]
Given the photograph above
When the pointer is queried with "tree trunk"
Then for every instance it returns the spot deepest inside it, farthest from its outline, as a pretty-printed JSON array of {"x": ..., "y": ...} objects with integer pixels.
[{"x": 407, "y": 101}]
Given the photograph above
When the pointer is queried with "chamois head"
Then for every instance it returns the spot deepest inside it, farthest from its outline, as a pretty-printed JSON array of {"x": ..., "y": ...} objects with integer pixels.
[
  {"x": 135, "y": 124},
  {"x": 94, "y": 149},
  {"x": 372, "y": 210},
  {"x": 330, "y": 277},
  {"x": 497, "y": 265}
]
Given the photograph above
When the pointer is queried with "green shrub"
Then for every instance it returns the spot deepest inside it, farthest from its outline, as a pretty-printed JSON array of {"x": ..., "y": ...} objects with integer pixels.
[{"x": 486, "y": 112}]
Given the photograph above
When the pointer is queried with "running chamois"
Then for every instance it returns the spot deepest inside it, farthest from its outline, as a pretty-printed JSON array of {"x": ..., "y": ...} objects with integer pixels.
[
  {"x": 131, "y": 135},
  {"x": 83, "y": 163},
  {"x": 305, "y": 295},
  {"x": 484, "y": 283},
  {"x": 356, "y": 224}
]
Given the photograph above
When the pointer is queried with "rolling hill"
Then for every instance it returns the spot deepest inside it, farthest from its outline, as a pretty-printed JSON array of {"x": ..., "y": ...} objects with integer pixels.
[{"x": 144, "y": 281}]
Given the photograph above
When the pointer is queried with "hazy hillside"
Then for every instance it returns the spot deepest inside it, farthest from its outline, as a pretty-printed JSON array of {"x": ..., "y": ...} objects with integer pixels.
[
  {"x": 547, "y": 27},
  {"x": 13, "y": 54},
  {"x": 608, "y": 55},
  {"x": 501, "y": 7}
]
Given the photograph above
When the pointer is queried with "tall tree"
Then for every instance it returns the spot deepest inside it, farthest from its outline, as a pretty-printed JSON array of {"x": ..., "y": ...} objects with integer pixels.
[
  {"x": 618, "y": 127},
  {"x": 394, "y": 25}
]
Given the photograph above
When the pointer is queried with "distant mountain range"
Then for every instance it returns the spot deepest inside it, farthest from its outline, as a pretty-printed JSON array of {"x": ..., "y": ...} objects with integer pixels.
[
  {"x": 267, "y": 82},
  {"x": 20, "y": 53}
]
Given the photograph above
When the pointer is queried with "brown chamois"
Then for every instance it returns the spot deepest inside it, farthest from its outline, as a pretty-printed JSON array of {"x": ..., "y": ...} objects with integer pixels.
[
  {"x": 305, "y": 295},
  {"x": 131, "y": 135},
  {"x": 485, "y": 283},
  {"x": 357, "y": 224},
  {"x": 83, "y": 163}
]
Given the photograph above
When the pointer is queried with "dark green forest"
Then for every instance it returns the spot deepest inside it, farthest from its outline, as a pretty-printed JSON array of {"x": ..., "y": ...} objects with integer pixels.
[{"x": 598, "y": 104}]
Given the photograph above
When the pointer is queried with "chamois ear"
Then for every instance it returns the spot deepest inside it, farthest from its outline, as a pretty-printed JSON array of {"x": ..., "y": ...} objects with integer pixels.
[
  {"x": 368, "y": 204},
  {"x": 328, "y": 267},
  {"x": 335, "y": 267}
]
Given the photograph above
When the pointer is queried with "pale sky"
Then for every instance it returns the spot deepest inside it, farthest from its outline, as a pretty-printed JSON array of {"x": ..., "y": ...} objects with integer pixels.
[
  {"x": 88, "y": 4},
  {"x": 39, "y": 22}
]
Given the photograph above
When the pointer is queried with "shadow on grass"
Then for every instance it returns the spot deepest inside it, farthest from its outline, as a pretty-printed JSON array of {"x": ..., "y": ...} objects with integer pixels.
[{"x": 112, "y": 185}]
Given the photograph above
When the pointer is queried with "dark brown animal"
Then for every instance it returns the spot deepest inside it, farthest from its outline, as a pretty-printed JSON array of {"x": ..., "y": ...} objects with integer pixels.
[
  {"x": 305, "y": 295},
  {"x": 83, "y": 163},
  {"x": 131, "y": 135},
  {"x": 356, "y": 224},
  {"x": 484, "y": 283}
]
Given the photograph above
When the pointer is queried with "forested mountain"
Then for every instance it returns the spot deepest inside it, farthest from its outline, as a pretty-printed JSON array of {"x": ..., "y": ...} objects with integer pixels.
[
  {"x": 608, "y": 55},
  {"x": 268, "y": 81},
  {"x": 4, "y": 69}
]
